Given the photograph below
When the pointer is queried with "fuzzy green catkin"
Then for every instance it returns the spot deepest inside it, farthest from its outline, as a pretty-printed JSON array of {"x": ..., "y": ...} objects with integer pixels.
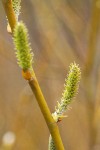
[
  {"x": 70, "y": 89},
  {"x": 22, "y": 46},
  {"x": 51, "y": 144},
  {"x": 16, "y": 7}
]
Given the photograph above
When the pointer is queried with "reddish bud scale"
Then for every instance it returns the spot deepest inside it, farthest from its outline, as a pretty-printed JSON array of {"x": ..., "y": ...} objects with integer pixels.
[{"x": 27, "y": 75}]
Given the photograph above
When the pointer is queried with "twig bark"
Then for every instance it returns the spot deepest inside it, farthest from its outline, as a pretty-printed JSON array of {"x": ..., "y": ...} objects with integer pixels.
[
  {"x": 52, "y": 125},
  {"x": 10, "y": 13}
]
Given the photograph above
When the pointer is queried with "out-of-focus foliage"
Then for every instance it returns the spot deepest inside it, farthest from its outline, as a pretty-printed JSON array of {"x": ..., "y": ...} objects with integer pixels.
[{"x": 59, "y": 32}]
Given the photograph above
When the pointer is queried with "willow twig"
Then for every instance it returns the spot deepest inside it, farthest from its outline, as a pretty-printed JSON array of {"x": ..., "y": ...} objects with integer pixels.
[
  {"x": 30, "y": 76},
  {"x": 10, "y": 13},
  {"x": 53, "y": 128}
]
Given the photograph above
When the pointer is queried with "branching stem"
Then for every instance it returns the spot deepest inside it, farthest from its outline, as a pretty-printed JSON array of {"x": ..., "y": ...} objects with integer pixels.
[
  {"x": 53, "y": 128},
  {"x": 52, "y": 125}
]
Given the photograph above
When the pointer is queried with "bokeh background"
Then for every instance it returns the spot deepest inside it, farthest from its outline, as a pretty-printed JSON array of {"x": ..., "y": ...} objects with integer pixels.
[{"x": 61, "y": 32}]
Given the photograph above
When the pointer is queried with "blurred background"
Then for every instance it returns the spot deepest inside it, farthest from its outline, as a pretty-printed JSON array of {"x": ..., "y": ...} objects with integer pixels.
[{"x": 61, "y": 32}]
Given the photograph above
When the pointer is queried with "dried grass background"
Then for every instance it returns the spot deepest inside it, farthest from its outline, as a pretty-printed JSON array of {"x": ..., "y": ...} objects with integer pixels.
[{"x": 59, "y": 32}]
